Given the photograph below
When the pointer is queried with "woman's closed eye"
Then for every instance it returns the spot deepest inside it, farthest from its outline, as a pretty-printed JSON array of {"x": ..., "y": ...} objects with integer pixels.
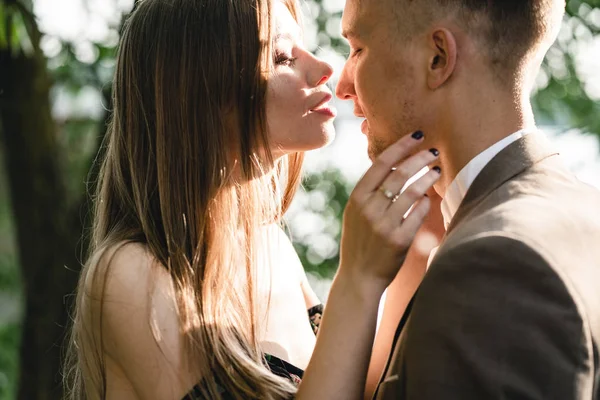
[{"x": 285, "y": 59}]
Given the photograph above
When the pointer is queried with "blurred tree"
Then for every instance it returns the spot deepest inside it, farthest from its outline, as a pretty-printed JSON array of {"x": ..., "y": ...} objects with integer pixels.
[
  {"x": 562, "y": 97},
  {"x": 47, "y": 230},
  {"x": 48, "y": 196},
  {"x": 325, "y": 196},
  {"x": 47, "y": 160}
]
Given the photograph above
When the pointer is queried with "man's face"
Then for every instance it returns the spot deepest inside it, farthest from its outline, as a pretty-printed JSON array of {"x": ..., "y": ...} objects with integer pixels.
[{"x": 380, "y": 75}]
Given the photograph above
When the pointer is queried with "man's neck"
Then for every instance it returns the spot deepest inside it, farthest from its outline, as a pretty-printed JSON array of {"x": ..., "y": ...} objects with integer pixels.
[{"x": 471, "y": 127}]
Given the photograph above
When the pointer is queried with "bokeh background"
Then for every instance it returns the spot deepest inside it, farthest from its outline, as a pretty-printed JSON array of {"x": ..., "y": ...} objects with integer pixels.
[{"x": 56, "y": 63}]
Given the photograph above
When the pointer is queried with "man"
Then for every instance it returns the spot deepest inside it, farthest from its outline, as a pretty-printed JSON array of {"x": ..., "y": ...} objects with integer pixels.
[{"x": 510, "y": 305}]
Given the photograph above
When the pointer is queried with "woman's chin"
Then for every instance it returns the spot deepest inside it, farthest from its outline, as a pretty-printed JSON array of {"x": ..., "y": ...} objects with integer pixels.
[
  {"x": 326, "y": 137},
  {"x": 313, "y": 141},
  {"x": 328, "y": 134}
]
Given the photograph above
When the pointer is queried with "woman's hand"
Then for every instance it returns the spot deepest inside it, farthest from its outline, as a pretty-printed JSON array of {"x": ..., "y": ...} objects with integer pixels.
[
  {"x": 375, "y": 235},
  {"x": 375, "y": 240}
]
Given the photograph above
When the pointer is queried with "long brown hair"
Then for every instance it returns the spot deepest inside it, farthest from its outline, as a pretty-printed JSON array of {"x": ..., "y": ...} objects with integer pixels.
[{"x": 187, "y": 171}]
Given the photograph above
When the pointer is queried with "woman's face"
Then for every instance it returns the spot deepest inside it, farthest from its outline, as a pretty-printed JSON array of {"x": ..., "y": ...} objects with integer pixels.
[{"x": 299, "y": 116}]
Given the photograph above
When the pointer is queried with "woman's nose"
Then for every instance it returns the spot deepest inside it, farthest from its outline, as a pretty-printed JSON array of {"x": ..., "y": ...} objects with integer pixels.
[{"x": 322, "y": 74}]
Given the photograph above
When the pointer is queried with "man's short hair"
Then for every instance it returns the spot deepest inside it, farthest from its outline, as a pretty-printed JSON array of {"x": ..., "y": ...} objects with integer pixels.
[{"x": 509, "y": 31}]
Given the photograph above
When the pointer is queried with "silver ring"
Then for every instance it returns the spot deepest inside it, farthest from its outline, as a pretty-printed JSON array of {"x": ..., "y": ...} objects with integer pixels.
[{"x": 387, "y": 193}]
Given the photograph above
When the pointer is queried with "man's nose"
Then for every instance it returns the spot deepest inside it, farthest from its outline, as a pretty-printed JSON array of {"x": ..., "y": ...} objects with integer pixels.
[{"x": 345, "y": 86}]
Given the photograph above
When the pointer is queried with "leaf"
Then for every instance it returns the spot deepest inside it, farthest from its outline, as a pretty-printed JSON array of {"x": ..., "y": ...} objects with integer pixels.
[
  {"x": 14, "y": 37},
  {"x": 22, "y": 35},
  {"x": 3, "y": 17}
]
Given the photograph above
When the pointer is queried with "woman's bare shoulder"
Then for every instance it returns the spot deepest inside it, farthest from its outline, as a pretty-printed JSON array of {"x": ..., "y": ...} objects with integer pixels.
[
  {"x": 135, "y": 289},
  {"x": 123, "y": 274},
  {"x": 140, "y": 324},
  {"x": 125, "y": 260}
]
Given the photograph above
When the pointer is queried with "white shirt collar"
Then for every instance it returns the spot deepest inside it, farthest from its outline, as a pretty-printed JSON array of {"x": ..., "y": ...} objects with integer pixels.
[{"x": 455, "y": 193}]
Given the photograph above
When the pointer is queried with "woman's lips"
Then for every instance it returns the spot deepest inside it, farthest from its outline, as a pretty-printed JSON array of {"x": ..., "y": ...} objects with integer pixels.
[
  {"x": 325, "y": 98},
  {"x": 327, "y": 111},
  {"x": 323, "y": 107}
]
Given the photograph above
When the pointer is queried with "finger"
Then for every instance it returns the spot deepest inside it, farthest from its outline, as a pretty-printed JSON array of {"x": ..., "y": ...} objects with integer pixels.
[
  {"x": 415, "y": 192},
  {"x": 383, "y": 164},
  {"x": 396, "y": 180},
  {"x": 394, "y": 215},
  {"x": 405, "y": 232}
]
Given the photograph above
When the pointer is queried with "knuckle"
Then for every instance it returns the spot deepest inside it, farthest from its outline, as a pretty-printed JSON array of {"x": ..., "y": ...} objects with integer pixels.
[
  {"x": 381, "y": 229},
  {"x": 403, "y": 172},
  {"x": 414, "y": 191},
  {"x": 426, "y": 204},
  {"x": 421, "y": 212},
  {"x": 381, "y": 162},
  {"x": 369, "y": 216},
  {"x": 356, "y": 199},
  {"x": 432, "y": 176},
  {"x": 426, "y": 156},
  {"x": 400, "y": 241}
]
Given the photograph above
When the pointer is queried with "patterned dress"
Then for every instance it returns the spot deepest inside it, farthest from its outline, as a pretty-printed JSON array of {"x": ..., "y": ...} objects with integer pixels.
[{"x": 277, "y": 366}]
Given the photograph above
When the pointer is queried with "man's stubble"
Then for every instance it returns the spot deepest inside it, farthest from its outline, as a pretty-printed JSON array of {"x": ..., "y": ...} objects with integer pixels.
[{"x": 401, "y": 124}]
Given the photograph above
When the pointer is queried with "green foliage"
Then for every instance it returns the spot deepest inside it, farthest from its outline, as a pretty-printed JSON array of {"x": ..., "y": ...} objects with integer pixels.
[
  {"x": 328, "y": 23},
  {"x": 76, "y": 81},
  {"x": 16, "y": 28},
  {"x": 9, "y": 360},
  {"x": 324, "y": 197},
  {"x": 563, "y": 100},
  {"x": 10, "y": 311},
  {"x": 3, "y": 30},
  {"x": 10, "y": 298}
]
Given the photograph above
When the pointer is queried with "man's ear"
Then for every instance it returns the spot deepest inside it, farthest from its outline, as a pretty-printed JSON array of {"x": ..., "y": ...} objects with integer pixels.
[{"x": 443, "y": 58}]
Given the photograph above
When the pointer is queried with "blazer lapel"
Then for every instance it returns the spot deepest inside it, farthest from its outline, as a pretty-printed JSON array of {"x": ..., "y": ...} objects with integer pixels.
[
  {"x": 510, "y": 162},
  {"x": 401, "y": 325}
]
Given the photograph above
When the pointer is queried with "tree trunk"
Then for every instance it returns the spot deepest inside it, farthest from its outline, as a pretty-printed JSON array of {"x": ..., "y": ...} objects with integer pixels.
[{"x": 47, "y": 231}]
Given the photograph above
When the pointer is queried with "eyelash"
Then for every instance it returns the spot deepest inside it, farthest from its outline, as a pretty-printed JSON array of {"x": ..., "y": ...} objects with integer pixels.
[
  {"x": 355, "y": 52},
  {"x": 282, "y": 59}
]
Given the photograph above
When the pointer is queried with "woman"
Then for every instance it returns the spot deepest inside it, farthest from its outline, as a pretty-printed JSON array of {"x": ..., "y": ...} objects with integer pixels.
[{"x": 191, "y": 289}]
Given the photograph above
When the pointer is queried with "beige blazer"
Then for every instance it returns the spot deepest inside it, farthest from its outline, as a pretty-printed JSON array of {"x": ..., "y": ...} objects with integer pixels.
[{"x": 510, "y": 306}]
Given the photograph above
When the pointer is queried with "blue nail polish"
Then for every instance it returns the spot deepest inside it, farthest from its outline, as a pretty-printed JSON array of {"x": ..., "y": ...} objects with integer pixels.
[
  {"x": 437, "y": 169},
  {"x": 435, "y": 152}
]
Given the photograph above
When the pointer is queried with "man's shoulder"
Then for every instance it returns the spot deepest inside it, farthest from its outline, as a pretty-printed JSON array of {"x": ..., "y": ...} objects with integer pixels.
[
  {"x": 550, "y": 234},
  {"x": 547, "y": 185},
  {"x": 531, "y": 237},
  {"x": 488, "y": 268},
  {"x": 498, "y": 248},
  {"x": 545, "y": 207}
]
